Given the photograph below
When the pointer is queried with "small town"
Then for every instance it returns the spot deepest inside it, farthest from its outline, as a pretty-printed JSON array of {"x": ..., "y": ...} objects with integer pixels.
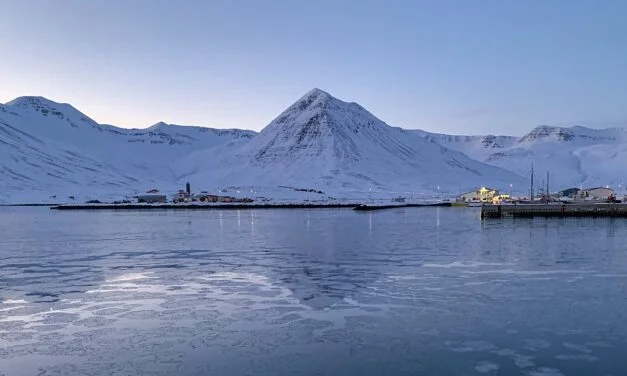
[
  {"x": 480, "y": 197},
  {"x": 572, "y": 202},
  {"x": 153, "y": 196},
  {"x": 488, "y": 195}
]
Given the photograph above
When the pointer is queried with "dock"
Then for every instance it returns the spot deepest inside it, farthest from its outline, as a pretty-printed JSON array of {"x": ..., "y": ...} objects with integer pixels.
[
  {"x": 366, "y": 207},
  {"x": 240, "y": 206},
  {"x": 183, "y": 206},
  {"x": 555, "y": 210}
]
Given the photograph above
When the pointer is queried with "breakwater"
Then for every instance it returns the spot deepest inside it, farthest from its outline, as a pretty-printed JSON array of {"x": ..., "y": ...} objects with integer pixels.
[{"x": 555, "y": 210}]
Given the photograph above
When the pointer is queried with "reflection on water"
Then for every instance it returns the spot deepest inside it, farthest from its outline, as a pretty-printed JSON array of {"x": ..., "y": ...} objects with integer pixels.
[{"x": 308, "y": 292}]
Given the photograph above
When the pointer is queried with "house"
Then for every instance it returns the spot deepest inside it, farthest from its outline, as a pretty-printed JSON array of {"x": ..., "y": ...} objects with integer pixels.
[
  {"x": 570, "y": 192},
  {"x": 598, "y": 193},
  {"x": 182, "y": 196},
  {"x": 483, "y": 194},
  {"x": 152, "y": 198},
  {"x": 205, "y": 198}
]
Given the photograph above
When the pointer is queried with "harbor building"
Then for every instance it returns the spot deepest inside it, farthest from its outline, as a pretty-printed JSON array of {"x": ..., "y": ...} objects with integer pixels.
[{"x": 483, "y": 194}]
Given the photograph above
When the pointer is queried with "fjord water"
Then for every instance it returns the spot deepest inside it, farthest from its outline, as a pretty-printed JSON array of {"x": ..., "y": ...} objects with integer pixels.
[{"x": 418, "y": 291}]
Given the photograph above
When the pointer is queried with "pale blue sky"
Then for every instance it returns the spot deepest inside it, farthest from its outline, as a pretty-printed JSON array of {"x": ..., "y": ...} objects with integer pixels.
[{"x": 465, "y": 66}]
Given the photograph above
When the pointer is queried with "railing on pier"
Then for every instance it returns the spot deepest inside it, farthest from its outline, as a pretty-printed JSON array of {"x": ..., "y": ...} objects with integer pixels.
[{"x": 555, "y": 210}]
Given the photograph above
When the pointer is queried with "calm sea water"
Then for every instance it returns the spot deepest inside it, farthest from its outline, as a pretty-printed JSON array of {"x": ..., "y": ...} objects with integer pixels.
[{"x": 430, "y": 291}]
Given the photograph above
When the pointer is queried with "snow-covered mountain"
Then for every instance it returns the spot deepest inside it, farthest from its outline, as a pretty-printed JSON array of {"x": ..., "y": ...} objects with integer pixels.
[
  {"x": 323, "y": 142},
  {"x": 477, "y": 147},
  {"x": 51, "y": 149},
  {"x": 574, "y": 156}
]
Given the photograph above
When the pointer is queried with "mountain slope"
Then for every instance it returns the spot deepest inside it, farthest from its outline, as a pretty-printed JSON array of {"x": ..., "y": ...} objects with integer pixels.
[
  {"x": 323, "y": 142},
  {"x": 574, "y": 156},
  {"x": 476, "y": 147},
  {"x": 51, "y": 149}
]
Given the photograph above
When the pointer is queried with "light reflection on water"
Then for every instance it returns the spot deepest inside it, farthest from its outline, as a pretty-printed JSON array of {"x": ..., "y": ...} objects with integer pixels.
[{"x": 337, "y": 292}]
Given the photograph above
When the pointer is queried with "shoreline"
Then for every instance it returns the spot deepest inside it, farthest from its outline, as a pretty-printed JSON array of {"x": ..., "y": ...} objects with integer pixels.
[
  {"x": 355, "y": 206},
  {"x": 22, "y": 205},
  {"x": 197, "y": 207}
]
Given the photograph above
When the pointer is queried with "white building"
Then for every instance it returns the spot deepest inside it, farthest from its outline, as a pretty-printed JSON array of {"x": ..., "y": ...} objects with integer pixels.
[{"x": 598, "y": 193}]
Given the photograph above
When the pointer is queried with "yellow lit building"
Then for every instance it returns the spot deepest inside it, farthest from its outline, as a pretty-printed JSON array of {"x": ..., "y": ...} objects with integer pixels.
[{"x": 483, "y": 194}]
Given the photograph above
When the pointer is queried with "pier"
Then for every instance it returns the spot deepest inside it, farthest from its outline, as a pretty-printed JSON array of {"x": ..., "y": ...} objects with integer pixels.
[
  {"x": 193, "y": 206},
  {"x": 238, "y": 206},
  {"x": 555, "y": 210},
  {"x": 366, "y": 207}
]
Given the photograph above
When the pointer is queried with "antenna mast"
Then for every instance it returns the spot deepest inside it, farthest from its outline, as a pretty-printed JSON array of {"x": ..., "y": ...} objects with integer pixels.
[
  {"x": 548, "y": 194},
  {"x": 532, "y": 182}
]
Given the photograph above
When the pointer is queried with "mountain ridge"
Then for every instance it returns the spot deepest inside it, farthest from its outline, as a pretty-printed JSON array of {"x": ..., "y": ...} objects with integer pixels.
[
  {"x": 574, "y": 155},
  {"x": 48, "y": 149},
  {"x": 322, "y": 140},
  {"x": 318, "y": 141}
]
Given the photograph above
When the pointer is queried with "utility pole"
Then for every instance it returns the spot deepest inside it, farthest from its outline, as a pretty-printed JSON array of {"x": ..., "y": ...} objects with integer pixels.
[
  {"x": 548, "y": 193},
  {"x": 532, "y": 182}
]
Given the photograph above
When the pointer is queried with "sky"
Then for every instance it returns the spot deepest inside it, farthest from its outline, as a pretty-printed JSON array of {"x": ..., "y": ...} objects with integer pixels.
[{"x": 463, "y": 67}]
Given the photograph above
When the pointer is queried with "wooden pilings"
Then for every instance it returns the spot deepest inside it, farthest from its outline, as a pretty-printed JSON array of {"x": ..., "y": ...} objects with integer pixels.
[{"x": 554, "y": 210}]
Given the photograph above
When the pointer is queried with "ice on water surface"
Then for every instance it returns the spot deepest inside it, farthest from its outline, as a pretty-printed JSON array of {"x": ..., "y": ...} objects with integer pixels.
[{"x": 317, "y": 292}]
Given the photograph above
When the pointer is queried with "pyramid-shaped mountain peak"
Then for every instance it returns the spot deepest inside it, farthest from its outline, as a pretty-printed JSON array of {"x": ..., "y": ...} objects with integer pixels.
[
  {"x": 314, "y": 99},
  {"x": 317, "y": 92},
  {"x": 319, "y": 109},
  {"x": 322, "y": 140}
]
